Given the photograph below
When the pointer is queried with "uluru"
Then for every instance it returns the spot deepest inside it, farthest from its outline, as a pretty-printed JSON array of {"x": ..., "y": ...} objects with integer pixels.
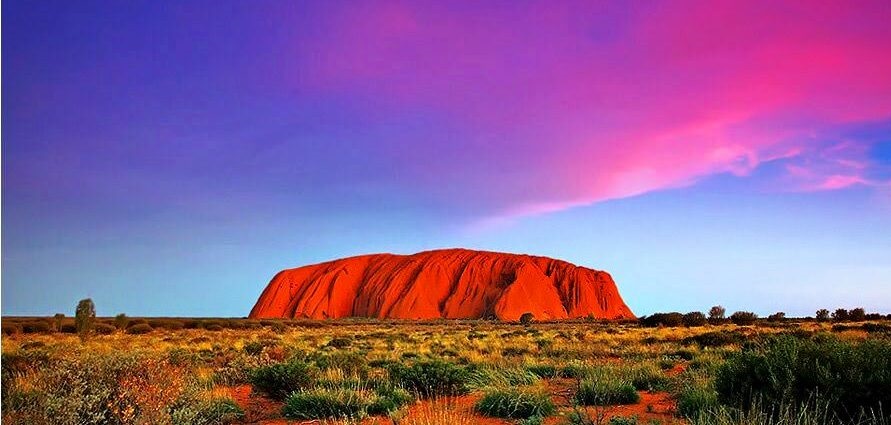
[{"x": 448, "y": 283}]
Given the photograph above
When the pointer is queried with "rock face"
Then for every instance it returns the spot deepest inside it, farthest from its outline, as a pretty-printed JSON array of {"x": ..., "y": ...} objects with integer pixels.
[{"x": 451, "y": 283}]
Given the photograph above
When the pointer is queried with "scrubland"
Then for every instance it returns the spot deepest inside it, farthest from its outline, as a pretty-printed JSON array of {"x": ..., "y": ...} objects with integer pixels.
[{"x": 238, "y": 371}]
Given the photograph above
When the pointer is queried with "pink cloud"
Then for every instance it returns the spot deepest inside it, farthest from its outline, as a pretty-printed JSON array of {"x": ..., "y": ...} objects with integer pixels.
[{"x": 569, "y": 104}]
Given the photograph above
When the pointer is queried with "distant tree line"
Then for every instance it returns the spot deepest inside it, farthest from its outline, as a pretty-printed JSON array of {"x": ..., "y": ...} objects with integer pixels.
[{"x": 717, "y": 315}]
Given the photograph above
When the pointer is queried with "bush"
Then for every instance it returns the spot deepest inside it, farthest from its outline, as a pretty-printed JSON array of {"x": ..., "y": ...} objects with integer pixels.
[
  {"x": 777, "y": 317},
  {"x": 431, "y": 378},
  {"x": 847, "y": 376},
  {"x": 692, "y": 401},
  {"x": 320, "y": 403},
  {"x": 662, "y": 319},
  {"x": 350, "y": 363},
  {"x": 716, "y": 314},
  {"x": 490, "y": 376},
  {"x": 840, "y": 315},
  {"x": 623, "y": 420},
  {"x": 715, "y": 339},
  {"x": 543, "y": 370},
  {"x": 281, "y": 379},
  {"x": 37, "y": 326},
  {"x": 212, "y": 412},
  {"x": 743, "y": 318},
  {"x": 84, "y": 316},
  {"x": 526, "y": 319},
  {"x": 606, "y": 392},
  {"x": 822, "y": 315},
  {"x": 515, "y": 403},
  {"x": 139, "y": 329},
  {"x": 104, "y": 329},
  {"x": 694, "y": 318},
  {"x": 340, "y": 342},
  {"x": 388, "y": 399},
  {"x": 857, "y": 315}
]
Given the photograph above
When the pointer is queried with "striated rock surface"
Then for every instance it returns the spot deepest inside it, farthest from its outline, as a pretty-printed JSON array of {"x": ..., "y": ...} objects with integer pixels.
[{"x": 449, "y": 283}]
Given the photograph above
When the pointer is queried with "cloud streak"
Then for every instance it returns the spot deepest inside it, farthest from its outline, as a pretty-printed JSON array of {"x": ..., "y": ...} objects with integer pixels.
[{"x": 598, "y": 102}]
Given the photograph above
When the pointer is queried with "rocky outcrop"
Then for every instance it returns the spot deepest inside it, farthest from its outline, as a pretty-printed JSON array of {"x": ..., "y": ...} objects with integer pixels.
[{"x": 450, "y": 283}]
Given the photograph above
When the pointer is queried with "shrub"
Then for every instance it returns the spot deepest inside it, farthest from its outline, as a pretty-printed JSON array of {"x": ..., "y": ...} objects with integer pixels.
[
  {"x": 515, "y": 403},
  {"x": 388, "y": 399},
  {"x": 743, "y": 318},
  {"x": 623, "y": 420},
  {"x": 281, "y": 379},
  {"x": 139, "y": 329},
  {"x": 213, "y": 327},
  {"x": 543, "y": 370},
  {"x": 694, "y": 318},
  {"x": 822, "y": 315},
  {"x": 489, "y": 376},
  {"x": 606, "y": 392},
  {"x": 37, "y": 326},
  {"x": 340, "y": 342},
  {"x": 212, "y": 412},
  {"x": 857, "y": 315},
  {"x": 646, "y": 377},
  {"x": 848, "y": 376},
  {"x": 777, "y": 317},
  {"x": 350, "y": 363},
  {"x": 104, "y": 329},
  {"x": 715, "y": 339},
  {"x": 527, "y": 319},
  {"x": 431, "y": 378},
  {"x": 692, "y": 401},
  {"x": 319, "y": 403},
  {"x": 121, "y": 320},
  {"x": 663, "y": 319}
]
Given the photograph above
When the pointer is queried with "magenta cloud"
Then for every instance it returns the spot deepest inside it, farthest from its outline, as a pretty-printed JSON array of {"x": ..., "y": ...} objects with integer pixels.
[{"x": 566, "y": 104}]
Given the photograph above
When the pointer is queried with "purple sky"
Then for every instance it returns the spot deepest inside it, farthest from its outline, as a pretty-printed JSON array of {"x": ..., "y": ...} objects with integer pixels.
[{"x": 167, "y": 158}]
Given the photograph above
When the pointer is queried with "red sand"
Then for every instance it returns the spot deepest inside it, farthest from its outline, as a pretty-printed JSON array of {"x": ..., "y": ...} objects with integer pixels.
[{"x": 452, "y": 283}]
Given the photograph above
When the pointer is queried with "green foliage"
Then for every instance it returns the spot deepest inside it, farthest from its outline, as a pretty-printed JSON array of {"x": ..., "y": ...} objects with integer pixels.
[
  {"x": 623, "y": 420},
  {"x": 320, "y": 403},
  {"x": 694, "y": 318},
  {"x": 84, "y": 316},
  {"x": 848, "y": 376},
  {"x": 431, "y": 378},
  {"x": 388, "y": 399},
  {"x": 543, "y": 370},
  {"x": 606, "y": 392},
  {"x": 281, "y": 379},
  {"x": 673, "y": 319},
  {"x": 483, "y": 377},
  {"x": 516, "y": 403},
  {"x": 212, "y": 412},
  {"x": 822, "y": 315},
  {"x": 694, "y": 400}
]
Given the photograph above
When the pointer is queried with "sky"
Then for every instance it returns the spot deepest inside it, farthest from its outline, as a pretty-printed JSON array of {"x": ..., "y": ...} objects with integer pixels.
[{"x": 168, "y": 158}]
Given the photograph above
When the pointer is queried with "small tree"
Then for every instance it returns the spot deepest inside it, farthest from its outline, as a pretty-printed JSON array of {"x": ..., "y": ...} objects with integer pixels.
[
  {"x": 840, "y": 315},
  {"x": 84, "y": 317},
  {"x": 857, "y": 315},
  {"x": 57, "y": 321},
  {"x": 716, "y": 314},
  {"x": 822, "y": 315},
  {"x": 527, "y": 318},
  {"x": 121, "y": 321},
  {"x": 743, "y": 318}
]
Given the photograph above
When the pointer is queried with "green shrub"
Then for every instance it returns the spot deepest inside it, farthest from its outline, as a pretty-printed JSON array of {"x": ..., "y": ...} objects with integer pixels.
[
  {"x": 431, "y": 378},
  {"x": 483, "y": 377},
  {"x": 693, "y": 401},
  {"x": 212, "y": 412},
  {"x": 623, "y": 420},
  {"x": 340, "y": 342},
  {"x": 694, "y": 318},
  {"x": 515, "y": 403},
  {"x": 388, "y": 399},
  {"x": 281, "y": 379},
  {"x": 543, "y": 370},
  {"x": 715, "y": 339},
  {"x": 849, "y": 376},
  {"x": 84, "y": 316},
  {"x": 320, "y": 403},
  {"x": 349, "y": 362},
  {"x": 646, "y": 377},
  {"x": 606, "y": 392}
]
